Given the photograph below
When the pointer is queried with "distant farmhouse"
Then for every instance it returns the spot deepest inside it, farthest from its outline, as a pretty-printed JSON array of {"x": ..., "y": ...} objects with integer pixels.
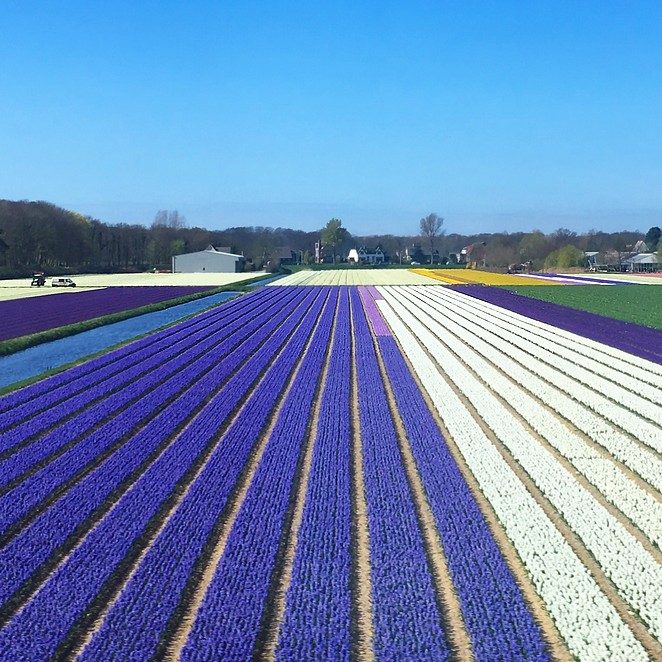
[
  {"x": 212, "y": 259},
  {"x": 636, "y": 259},
  {"x": 363, "y": 255}
]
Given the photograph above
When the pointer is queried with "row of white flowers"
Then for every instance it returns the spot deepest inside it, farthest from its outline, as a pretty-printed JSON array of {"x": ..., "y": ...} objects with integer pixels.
[
  {"x": 646, "y": 383},
  {"x": 560, "y": 372},
  {"x": 635, "y": 503},
  {"x": 643, "y": 370},
  {"x": 633, "y": 570},
  {"x": 585, "y": 618},
  {"x": 535, "y": 376},
  {"x": 549, "y": 353}
]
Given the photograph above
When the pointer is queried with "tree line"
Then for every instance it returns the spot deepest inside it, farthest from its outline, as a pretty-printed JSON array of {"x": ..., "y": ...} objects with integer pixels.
[{"x": 42, "y": 236}]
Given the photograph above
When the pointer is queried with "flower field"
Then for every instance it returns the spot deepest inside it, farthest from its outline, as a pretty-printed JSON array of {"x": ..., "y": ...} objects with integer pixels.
[
  {"x": 462, "y": 276},
  {"x": 354, "y": 277},
  {"x": 398, "y": 472},
  {"x": 32, "y": 315}
]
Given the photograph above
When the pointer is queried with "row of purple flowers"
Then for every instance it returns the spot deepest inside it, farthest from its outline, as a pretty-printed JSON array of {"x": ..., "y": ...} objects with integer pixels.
[
  {"x": 41, "y": 628},
  {"x": 21, "y": 317}
]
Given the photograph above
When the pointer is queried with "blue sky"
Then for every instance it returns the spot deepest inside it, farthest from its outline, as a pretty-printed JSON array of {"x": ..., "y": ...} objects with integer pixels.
[{"x": 496, "y": 115}]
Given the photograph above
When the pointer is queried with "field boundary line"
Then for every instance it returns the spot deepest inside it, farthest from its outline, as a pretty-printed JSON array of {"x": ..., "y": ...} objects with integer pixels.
[
  {"x": 622, "y": 607},
  {"x": 81, "y": 436},
  {"x": 136, "y": 360},
  {"x": 273, "y": 618},
  {"x": 173, "y": 643},
  {"x": 178, "y": 494},
  {"x": 362, "y": 619},
  {"x": 447, "y": 599}
]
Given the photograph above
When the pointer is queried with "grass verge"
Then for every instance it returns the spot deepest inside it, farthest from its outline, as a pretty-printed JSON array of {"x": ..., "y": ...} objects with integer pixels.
[{"x": 641, "y": 304}]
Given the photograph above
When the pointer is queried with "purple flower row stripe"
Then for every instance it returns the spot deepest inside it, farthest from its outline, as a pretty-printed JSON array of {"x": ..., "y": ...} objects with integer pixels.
[
  {"x": 90, "y": 492},
  {"x": 496, "y": 616},
  {"x": 633, "y": 338},
  {"x": 124, "y": 386},
  {"x": 34, "y": 545},
  {"x": 16, "y": 503},
  {"x": 229, "y": 619},
  {"x": 40, "y": 313},
  {"x": 69, "y": 381},
  {"x": 141, "y": 614},
  {"x": 379, "y": 326},
  {"x": 163, "y": 346},
  {"x": 317, "y": 623},
  {"x": 374, "y": 292},
  {"x": 39, "y": 628},
  {"x": 407, "y": 622}
]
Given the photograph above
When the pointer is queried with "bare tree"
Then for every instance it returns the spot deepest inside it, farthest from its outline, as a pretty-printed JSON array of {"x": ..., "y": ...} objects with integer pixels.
[{"x": 430, "y": 229}]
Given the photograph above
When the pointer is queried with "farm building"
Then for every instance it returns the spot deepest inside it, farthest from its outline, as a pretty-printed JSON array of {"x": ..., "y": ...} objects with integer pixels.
[
  {"x": 365, "y": 255},
  {"x": 211, "y": 259},
  {"x": 642, "y": 262}
]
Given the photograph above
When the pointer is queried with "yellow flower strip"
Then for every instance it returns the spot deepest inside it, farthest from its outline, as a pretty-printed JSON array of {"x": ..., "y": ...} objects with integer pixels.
[{"x": 463, "y": 276}]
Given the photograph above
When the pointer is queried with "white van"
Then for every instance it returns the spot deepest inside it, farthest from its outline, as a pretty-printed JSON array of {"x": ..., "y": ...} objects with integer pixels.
[{"x": 62, "y": 282}]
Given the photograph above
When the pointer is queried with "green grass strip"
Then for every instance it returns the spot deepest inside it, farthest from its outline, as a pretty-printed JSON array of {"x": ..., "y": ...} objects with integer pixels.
[{"x": 641, "y": 304}]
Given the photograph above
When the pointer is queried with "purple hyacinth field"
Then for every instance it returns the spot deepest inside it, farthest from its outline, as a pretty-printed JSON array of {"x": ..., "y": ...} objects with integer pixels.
[
  {"x": 406, "y": 472},
  {"x": 21, "y": 317}
]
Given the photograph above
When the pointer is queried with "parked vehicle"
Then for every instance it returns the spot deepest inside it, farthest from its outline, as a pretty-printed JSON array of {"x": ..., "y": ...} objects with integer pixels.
[
  {"x": 38, "y": 280},
  {"x": 62, "y": 282}
]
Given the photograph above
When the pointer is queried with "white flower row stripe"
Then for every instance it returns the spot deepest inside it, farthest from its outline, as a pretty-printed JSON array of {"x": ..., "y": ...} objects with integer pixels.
[
  {"x": 612, "y": 369},
  {"x": 563, "y": 360},
  {"x": 634, "y": 424},
  {"x": 635, "y": 503},
  {"x": 585, "y": 618},
  {"x": 634, "y": 572},
  {"x": 640, "y": 368},
  {"x": 624, "y": 448},
  {"x": 354, "y": 277}
]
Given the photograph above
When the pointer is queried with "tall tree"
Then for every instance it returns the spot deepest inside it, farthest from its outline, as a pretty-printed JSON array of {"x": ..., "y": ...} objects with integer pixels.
[
  {"x": 334, "y": 234},
  {"x": 430, "y": 229},
  {"x": 653, "y": 237}
]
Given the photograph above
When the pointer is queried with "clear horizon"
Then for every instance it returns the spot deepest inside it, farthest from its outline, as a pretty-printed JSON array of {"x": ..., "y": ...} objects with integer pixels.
[{"x": 497, "y": 116}]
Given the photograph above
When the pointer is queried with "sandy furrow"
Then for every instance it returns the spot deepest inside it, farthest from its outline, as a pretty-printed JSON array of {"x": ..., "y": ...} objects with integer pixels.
[
  {"x": 85, "y": 640},
  {"x": 362, "y": 581},
  {"x": 277, "y": 609},
  {"x": 448, "y": 599},
  {"x": 180, "y": 636}
]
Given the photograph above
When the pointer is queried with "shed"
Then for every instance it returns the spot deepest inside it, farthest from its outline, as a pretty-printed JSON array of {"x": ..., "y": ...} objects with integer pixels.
[
  {"x": 642, "y": 262},
  {"x": 210, "y": 260}
]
